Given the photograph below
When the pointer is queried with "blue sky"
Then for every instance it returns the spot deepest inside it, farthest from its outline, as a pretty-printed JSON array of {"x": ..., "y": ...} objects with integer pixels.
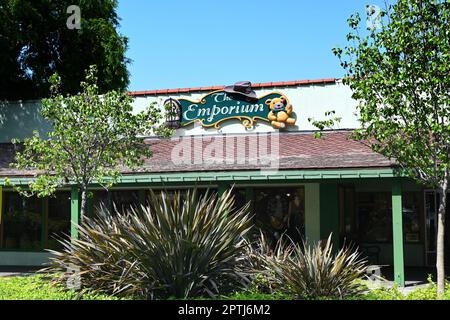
[{"x": 182, "y": 43}]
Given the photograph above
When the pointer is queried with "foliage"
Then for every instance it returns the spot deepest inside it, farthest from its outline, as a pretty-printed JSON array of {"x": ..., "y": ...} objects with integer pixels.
[
  {"x": 179, "y": 246},
  {"x": 328, "y": 123},
  {"x": 384, "y": 293},
  {"x": 400, "y": 75},
  {"x": 93, "y": 138},
  {"x": 252, "y": 295},
  {"x": 314, "y": 271},
  {"x": 39, "y": 288},
  {"x": 263, "y": 279},
  {"x": 425, "y": 293},
  {"x": 35, "y": 43}
]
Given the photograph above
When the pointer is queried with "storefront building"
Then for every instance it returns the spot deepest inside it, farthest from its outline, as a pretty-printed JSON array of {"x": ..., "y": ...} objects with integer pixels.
[{"x": 259, "y": 141}]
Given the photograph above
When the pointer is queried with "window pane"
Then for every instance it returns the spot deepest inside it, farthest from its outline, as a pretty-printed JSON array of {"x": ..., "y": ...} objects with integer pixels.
[
  {"x": 100, "y": 200},
  {"x": 58, "y": 219},
  {"x": 22, "y": 223},
  {"x": 239, "y": 198},
  {"x": 280, "y": 210},
  {"x": 411, "y": 216},
  {"x": 124, "y": 200},
  {"x": 374, "y": 216}
]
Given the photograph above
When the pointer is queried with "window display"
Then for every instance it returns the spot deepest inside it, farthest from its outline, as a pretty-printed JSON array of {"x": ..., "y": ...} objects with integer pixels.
[
  {"x": 58, "y": 224},
  {"x": 374, "y": 214},
  {"x": 411, "y": 216},
  {"x": 280, "y": 211},
  {"x": 21, "y": 223}
]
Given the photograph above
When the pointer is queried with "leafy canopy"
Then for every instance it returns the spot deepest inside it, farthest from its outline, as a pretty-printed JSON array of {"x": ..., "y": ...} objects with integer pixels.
[
  {"x": 93, "y": 137},
  {"x": 35, "y": 42},
  {"x": 400, "y": 75}
]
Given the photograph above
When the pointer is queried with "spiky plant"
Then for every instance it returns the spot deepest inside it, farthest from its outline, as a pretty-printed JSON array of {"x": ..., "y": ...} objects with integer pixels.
[
  {"x": 179, "y": 246},
  {"x": 256, "y": 262},
  {"x": 314, "y": 271},
  {"x": 99, "y": 259}
]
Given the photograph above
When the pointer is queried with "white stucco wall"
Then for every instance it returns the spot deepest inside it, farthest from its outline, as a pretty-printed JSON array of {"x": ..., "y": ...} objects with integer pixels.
[{"x": 19, "y": 120}]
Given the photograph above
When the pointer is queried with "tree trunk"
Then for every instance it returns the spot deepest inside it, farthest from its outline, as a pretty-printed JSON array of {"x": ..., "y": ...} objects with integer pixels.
[
  {"x": 440, "y": 265},
  {"x": 83, "y": 207}
]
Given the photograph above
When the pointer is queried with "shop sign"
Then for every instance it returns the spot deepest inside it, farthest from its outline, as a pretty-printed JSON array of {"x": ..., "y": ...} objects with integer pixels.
[{"x": 217, "y": 107}]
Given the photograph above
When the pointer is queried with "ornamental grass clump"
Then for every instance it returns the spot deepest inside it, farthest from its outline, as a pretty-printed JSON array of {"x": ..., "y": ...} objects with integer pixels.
[
  {"x": 311, "y": 272},
  {"x": 179, "y": 246}
]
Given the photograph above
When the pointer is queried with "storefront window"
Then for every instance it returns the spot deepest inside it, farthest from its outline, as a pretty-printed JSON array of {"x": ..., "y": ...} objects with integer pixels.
[
  {"x": 411, "y": 216},
  {"x": 240, "y": 198},
  {"x": 58, "y": 219},
  {"x": 21, "y": 223},
  {"x": 100, "y": 201},
  {"x": 280, "y": 210},
  {"x": 122, "y": 200},
  {"x": 374, "y": 217},
  {"x": 374, "y": 212}
]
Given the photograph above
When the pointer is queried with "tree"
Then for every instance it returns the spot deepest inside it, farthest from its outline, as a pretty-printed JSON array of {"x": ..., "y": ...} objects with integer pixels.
[
  {"x": 400, "y": 75},
  {"x": 35, "y": 42},
  {"x": 93, "y": 138}
]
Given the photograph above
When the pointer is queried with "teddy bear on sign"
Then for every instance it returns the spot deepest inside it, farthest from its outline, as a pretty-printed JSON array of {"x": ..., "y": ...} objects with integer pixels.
[{"x": 280, "y": 112}]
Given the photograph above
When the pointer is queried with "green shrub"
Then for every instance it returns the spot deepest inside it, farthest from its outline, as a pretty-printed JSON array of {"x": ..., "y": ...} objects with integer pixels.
[
  {"x": 428, "y": 292},
  {"x": 248, "y": 295},
  {"x": 312, "y": 272},
  {"x": 40, "y": 288},
  {"x": 180, "y": 246},
  {"x": 263, "y": 278},
  {"x": 384, "y": 293}
]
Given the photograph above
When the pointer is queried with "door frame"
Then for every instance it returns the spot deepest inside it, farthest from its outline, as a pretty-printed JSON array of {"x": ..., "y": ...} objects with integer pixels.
[{"x": 447, "y": 250}]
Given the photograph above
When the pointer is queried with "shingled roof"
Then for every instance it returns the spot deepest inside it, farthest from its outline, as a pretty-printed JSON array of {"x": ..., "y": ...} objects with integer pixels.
[{"x": 296, "y": 150}]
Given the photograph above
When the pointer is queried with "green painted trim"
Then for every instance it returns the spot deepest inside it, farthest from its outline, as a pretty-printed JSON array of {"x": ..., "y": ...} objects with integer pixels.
[
  {"x": 397, "y": 225},
  {"x": 25, "y": 258},
  {"x": 247, "y": 176},
  {"x": 329, "y": 213},
  {"x": 74, "y": 212},
  {"x": 312, "y": 212}
]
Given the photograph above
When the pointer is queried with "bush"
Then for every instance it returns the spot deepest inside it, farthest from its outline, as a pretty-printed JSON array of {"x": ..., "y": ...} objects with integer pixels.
[
  {"x": 425, "y": 293},
  {"x": 40, "y": 288},
  {"x": 179, "y": 246},
  {"x": 312, "y": 272}
]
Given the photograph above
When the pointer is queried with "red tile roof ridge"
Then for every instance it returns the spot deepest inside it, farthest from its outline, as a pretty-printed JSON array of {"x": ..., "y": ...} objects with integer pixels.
[{"x": 255, "y": 85}]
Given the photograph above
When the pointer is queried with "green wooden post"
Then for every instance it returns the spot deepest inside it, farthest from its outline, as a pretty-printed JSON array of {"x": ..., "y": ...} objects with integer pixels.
[
  {"x": 397, "y": 227},
  {"x": 74, "y": 213},
  {"x": 312, "y": 213},
  {"x": 329, "y": 213}
]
